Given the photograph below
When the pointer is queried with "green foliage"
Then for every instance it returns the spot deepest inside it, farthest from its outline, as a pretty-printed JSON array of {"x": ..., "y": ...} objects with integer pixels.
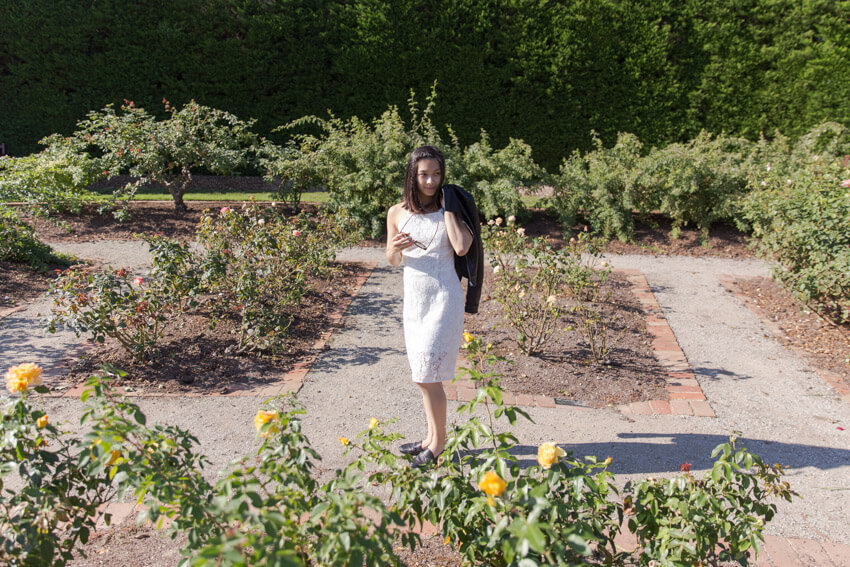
[
  {"x": 259, "y": 263},
  {"x": 721, "y": 517},
  {"x": 269, "y": 509},
  {"x": 19, "y": 242},
  {"x": 604, "y": 187},
  {"x": 166, "y": 151},
  {"x": 494, "y": 176},
  {"x": 663, "y": 70},
  {"x": 111, "y": 304},
  {"x": 51, "y": 181},
  {"x": 362, "y": 164},
  {"x": 698, "y": 182},
  {"x": 800, "y": 214}
]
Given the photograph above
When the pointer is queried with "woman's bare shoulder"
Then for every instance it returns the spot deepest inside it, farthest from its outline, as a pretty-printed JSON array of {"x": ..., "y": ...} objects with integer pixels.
[{"x": 395, "y": 210}]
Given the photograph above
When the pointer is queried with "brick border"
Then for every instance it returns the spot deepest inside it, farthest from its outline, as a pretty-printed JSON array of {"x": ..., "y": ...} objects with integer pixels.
[
  {"x": 832, "y": 379},
  {"x": 291, "y": 381},
  {"x": 686, "y": 395}
]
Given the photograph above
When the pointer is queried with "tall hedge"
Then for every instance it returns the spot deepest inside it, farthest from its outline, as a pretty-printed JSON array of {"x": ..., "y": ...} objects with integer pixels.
[{"x": 542, "y": 70}]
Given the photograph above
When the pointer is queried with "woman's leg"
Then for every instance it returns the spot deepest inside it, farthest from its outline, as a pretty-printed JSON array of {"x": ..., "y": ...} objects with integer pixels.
[{"x": 434, "y": 400}]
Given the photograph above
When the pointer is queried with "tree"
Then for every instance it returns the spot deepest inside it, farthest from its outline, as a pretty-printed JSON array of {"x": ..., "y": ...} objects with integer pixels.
[{"x": 167, "y": 151}]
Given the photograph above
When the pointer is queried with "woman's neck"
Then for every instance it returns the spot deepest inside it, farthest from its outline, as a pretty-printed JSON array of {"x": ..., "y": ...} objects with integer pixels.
[{"x": 430, "y": 205}]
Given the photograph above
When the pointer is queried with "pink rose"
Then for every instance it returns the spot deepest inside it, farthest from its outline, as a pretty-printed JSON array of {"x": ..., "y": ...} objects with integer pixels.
[
  {"x": 296, "y": 233},
  {"x": 139, "y": 280},
  {"x": 845, "y": 183},
  {"x": 225, "y": 210}
]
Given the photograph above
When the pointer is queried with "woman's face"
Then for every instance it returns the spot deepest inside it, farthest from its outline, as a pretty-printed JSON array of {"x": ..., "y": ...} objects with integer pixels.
[{"x": 428, "y": 178}]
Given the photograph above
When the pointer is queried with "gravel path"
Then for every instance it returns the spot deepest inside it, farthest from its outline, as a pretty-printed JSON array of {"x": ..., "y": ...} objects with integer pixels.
[{"x": 785, "y": 412}]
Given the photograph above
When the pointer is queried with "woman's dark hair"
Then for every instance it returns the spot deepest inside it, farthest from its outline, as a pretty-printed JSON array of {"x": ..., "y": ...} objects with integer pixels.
[{"x": 410, "y": 197}]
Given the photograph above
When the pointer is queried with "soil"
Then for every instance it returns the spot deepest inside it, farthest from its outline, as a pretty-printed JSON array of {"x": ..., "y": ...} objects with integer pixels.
[
  {"x": 196, "y": 357},
  {"x": 825, "y": 344},
  {"x": 565, "y": 367}
]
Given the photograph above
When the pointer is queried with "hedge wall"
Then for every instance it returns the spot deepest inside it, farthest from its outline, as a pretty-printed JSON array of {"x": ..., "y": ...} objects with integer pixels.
[{"x": 545, "y": 71}]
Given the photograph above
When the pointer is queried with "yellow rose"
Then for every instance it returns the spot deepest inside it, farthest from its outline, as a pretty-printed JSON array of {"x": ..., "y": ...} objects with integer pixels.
[
  {"x": 373, "y": 423},
  {"x": 344, "y": 441},
  {"x": 21, "y": 377},
  {"x": 548, "y": 454},
  {"x": 468, "y": 337},
  {"x": 41, "y": 422},
  {"x": 114, "y": 456},
  {"x": 492, "y": 484},
  {"x": 262, "y": 418}
]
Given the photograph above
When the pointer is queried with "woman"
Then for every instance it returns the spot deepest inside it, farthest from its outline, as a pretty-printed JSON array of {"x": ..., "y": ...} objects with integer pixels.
[{"x": 426, "y": 238}]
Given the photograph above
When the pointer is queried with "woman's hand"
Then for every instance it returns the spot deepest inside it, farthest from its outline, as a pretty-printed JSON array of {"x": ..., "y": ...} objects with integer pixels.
[{"x": 397, "y": 241}]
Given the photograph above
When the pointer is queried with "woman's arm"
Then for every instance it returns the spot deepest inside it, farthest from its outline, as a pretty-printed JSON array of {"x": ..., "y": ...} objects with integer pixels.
[
  {"x": 396, "y": 241},
  {"x": 460, "y": 235}
]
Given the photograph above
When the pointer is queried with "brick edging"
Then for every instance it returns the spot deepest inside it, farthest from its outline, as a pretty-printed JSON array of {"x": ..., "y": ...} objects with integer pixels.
[
  {"x": 685, "y": 394},
  {"x": 291, "y": 381},
  {"x": 834, "y": 381}
]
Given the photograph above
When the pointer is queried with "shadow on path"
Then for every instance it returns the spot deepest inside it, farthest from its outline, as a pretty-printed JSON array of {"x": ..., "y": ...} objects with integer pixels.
[{"x": 631, "y": 455}]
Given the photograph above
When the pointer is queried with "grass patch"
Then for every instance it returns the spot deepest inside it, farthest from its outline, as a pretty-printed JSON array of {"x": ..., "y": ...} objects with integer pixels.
[{"x": 153, "y": 194}]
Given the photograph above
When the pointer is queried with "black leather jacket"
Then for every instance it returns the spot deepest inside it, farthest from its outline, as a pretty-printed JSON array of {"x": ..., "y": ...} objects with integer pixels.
[{"x": 470, "y": 266}]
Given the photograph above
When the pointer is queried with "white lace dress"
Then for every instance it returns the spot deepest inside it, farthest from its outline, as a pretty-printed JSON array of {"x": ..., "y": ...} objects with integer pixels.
[{"x": 433, "y": 299}]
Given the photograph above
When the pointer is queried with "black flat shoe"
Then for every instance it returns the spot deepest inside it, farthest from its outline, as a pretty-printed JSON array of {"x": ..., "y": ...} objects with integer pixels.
[
  {"x": 411, "y": 448},
  {"x": 424, "y": 458}
]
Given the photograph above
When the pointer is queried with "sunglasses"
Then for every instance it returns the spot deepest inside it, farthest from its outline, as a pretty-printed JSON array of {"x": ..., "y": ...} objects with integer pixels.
[{"x": 416, "y": 242}]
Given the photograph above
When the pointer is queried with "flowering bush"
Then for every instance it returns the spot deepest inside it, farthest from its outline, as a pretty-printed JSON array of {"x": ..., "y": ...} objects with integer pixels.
[
  {"x": 258, "y": 264},
  {"x": 269, "y": 509},
  {"x": 538, "y": 285},
  {"x": 54, "y": 506},
  {"x": 528, "y": 276},
  {"x": 687, "y": 521},
  {"x": 110, "y": 304}
]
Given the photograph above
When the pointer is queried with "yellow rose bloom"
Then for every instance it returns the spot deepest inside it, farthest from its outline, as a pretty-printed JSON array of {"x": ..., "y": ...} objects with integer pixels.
[
  {"x": 263, "y": 417},
  {"x": 23, "y": 376},
  {"x": 548, "y": 454},
  {"x": 344, "y": 441},
  {"x": 114, "y": 456},
  {"x": 373, "y": 423},
  {"x": 468, "y": 337},
  {"x": 492, "y": 484},
  {"x": 41, "y": 422}
]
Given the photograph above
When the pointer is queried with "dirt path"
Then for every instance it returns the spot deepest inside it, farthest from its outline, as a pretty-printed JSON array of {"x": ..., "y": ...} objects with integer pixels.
[{"x": 785, "y": 412}]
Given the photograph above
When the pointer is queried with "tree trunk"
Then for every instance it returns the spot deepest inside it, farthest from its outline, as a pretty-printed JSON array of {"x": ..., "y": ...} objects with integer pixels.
[{"x": 177, "y": 191}]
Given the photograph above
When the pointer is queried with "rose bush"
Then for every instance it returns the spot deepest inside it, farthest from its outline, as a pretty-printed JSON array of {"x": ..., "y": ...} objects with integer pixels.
[{"x": 269, "y": 509}]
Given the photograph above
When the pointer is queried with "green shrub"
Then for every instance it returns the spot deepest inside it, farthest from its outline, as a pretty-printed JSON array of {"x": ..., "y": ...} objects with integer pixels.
[
  {"x": 800, "y": 217},
  {"x": 362, "y": 164},
  {"x": 495, "y": 176},
  {"x": 604, "y": 187},
  {"x": 52, "y": 181},
  {"x": 698, "y": 182},
  {"x": 19, "y": 242}
]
